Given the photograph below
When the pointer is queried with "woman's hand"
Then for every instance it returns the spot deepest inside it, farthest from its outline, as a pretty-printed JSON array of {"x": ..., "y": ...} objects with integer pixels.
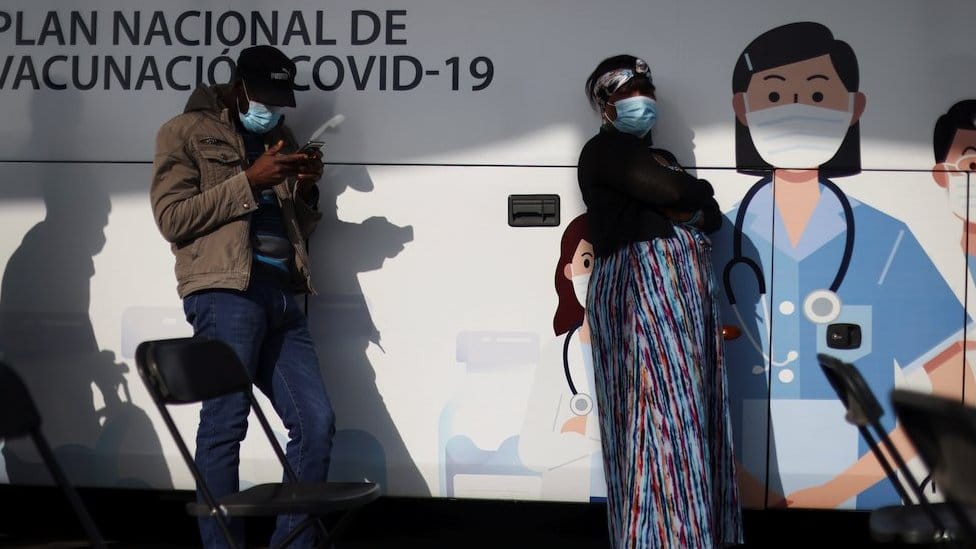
[
  {"x": 691, "y": 219},
  {"x": 678, "y": 216}
]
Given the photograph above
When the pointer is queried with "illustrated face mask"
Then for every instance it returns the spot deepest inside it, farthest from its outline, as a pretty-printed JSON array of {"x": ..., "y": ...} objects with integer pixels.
[
  {"x": 799, "y": 136},
  {"x": 961, "y": 203},
  {"x": 580, "y": 284}
]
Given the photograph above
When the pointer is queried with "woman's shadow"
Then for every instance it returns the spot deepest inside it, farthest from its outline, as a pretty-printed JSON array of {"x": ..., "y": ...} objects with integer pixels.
[{"x": 368, "y": 444}]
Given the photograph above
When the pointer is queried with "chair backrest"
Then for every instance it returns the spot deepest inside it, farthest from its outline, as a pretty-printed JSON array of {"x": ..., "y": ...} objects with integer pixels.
[
  {"x": 190, "y": 369},
  {"x": 863, "y": 408},
  {"x": 943, "y": 431},
  {"x": 18, "y": 415}
]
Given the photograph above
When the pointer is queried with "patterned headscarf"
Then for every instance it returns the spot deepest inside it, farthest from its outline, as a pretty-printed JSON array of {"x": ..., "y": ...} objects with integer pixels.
[{"x": 611, "y": 81}]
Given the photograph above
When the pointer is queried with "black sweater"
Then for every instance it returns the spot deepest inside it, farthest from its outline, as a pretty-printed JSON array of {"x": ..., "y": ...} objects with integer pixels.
[{"x": 625, "y": 185}]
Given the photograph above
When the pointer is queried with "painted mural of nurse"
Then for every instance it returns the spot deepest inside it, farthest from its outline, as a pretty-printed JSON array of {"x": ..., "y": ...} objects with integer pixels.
[
  {"x": 560, "y": 437},
  {"x": 848, "y": 278}
]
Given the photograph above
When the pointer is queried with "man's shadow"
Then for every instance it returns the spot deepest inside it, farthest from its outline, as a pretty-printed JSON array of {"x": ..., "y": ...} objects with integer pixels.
[
  {"x": 368, "y": 444},
  {"x": 99, "y": 436}
]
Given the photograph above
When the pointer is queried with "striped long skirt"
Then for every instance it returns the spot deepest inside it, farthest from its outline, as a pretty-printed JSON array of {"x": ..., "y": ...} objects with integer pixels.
[{"x": 662, "y": 395}]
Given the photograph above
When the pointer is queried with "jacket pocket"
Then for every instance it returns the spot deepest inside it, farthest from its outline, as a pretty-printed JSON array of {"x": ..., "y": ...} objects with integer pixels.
[
  {"x": 186, "y": 254},
  {"x": 218, "y": 162}
]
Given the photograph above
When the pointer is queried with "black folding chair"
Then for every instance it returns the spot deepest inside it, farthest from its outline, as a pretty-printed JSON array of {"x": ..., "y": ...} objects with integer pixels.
[
  {"x": 188, "y": 370},
  {"x": 19, "y": 418},
  {"x": 944, "y": 433},
  {"x": 911, "y": 523}
]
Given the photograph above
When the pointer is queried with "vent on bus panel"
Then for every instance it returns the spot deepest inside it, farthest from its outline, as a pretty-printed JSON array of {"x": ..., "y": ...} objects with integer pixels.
[{"x": 533, "y": 210}]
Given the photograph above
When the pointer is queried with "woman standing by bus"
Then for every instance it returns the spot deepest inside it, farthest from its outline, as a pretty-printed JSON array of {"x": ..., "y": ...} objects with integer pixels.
[{"x": 657, "y": 347}]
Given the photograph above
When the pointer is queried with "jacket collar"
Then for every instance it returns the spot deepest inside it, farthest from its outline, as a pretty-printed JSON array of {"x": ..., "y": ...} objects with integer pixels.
[
  {"x": 608, "y": 128},
  {"x": 208, "y": 98}
]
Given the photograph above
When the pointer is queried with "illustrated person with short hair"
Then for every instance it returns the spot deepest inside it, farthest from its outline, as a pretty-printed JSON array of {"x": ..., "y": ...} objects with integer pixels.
[
  {"x": 238, "y": 203},
  {"x": 954, "y": 145},
  {"x": 656, "y": 337},
  {"x": 848, "y": 280}
]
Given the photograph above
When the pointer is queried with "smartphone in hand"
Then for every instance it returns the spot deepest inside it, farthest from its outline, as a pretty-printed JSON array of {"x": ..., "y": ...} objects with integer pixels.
[{"x": 311, "y": 147}]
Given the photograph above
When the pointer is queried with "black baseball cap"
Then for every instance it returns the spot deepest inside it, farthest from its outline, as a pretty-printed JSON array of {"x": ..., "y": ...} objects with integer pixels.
[{"x": 268, "y": 75}]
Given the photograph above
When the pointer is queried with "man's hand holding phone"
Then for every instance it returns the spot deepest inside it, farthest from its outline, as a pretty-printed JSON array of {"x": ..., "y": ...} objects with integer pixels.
[
  {"x": 271, "y": 168},
  {"x": 311, "y": 170}
]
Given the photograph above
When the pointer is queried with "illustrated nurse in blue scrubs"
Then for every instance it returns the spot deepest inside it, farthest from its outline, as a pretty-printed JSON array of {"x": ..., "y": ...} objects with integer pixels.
[{"x": 808, "y": 270}]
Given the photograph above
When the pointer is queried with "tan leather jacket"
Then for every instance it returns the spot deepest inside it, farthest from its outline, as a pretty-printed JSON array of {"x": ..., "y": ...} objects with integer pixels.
[{"x": 202, "y": 201}]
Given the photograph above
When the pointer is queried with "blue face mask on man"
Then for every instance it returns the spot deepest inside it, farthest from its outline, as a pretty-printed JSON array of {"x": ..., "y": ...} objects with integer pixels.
[
  {"x": 635, "y": 115},
  {"x": 259, "y": 117}
]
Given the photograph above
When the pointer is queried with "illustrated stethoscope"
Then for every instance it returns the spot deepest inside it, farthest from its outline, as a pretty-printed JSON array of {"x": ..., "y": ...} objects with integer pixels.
[
  {"x": 820, "y": 306},
  {"x": 580, "y": 403}
]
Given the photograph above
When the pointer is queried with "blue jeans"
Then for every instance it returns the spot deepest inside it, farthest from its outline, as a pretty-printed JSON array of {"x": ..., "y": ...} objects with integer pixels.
[{"x": 269, "y": 332}]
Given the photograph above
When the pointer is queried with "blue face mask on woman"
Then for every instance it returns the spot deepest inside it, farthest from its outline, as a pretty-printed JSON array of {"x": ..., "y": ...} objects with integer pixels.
[
  {"x": 635, "y": 115},
  {"x": 259, "y": 117}
]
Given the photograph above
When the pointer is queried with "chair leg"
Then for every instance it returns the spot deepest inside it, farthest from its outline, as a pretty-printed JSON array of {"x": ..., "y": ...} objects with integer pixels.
[
  {"x": 965, "y": 524},
  {"x": 344, "y": 521},
  {"x": 69, "y": 492},
  {"x": 309, "y": 521},
  {"x": 325, "y": 536},
  {"x": 217, "y": 515}
]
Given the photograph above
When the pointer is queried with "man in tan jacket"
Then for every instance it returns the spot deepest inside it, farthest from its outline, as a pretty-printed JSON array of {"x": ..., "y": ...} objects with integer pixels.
[{"x": 237, "y": 209}]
